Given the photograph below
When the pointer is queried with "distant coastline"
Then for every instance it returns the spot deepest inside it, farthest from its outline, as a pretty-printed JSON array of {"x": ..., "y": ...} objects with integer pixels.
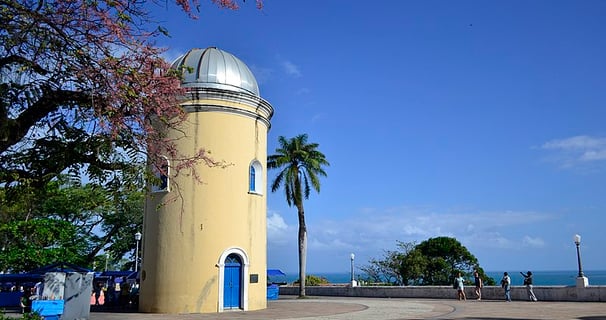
[{"x": 541, "y": 278}]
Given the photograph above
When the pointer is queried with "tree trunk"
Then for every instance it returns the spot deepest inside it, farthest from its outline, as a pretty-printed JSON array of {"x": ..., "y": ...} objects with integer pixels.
[{"x": 302, "y": 250}]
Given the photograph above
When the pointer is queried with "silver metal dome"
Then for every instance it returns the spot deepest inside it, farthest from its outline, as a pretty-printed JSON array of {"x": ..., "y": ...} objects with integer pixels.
[{"x": 215, "y": 68}]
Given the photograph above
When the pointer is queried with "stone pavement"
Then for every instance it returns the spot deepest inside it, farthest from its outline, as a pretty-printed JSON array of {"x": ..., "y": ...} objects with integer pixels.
[{"x": 340, "y": 308}]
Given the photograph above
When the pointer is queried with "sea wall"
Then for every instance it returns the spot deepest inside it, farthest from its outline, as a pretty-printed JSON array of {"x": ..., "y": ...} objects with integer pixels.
[{"x": 543, "y": 293}]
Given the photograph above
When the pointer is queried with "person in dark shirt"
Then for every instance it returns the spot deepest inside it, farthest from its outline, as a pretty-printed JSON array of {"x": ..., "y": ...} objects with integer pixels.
[
  {"x": 528, "y": 284},
  {"x": 478, "y": 283}
]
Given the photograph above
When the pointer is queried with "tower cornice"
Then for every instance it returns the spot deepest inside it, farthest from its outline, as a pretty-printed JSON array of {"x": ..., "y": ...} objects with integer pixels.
[{"x": 199, "y": 99}]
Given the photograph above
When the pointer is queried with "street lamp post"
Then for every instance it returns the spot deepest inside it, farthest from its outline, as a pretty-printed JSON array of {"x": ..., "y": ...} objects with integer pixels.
[
  {"x": 137, "y": 238},
  {"x": 106, "y": 259},
  {"x": 582, "y": 281},
  {"x": 353, "y": 281}
]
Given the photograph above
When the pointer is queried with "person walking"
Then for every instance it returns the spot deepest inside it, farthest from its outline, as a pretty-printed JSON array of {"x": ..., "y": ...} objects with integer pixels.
[
  {"x": 478, "y": 283},
  {"x": 506, "y": 284},
  {"x": 97, "y": 292},
  {"x": 528, "y": 284},
  {"x": 460, "y": 287},
  {"x": 26, "y": 301},
  {"x": 124, "y": 298},
  {"x": 110, "y": 297}
]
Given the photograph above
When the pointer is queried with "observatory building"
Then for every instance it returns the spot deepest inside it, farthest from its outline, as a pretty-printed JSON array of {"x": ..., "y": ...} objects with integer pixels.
[{"x": 205, "y": 250}]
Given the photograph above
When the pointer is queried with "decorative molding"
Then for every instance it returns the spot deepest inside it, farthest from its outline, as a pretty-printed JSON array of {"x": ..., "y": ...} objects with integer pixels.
[{"x": 258, "y": 108}]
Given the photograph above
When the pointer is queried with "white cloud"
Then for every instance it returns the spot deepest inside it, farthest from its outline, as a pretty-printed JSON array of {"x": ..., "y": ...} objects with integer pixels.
[
  {"x": 413, "y": 230},
  {"x": 291, "y": 69},
  {"x": 593, "y": 155},
  {"x": 261, "y": 74},
  {"x": 172, "y": 54},
  {"x": 275, "y": 223},
  {"x": 494, "y": 240},
  {"x": 334, "y": 243},
  {"x": 576, "y": 143},
  {"x": 303, "y": 91},
  {"x": 573, "y": 151},
  {"x": 277, "y": 229},
  {"x": 535, "y": 242},
  {"x": 371, "y": 231},
  {"x": 417, "y": 224},
  {"x": 318, "y": 117}
]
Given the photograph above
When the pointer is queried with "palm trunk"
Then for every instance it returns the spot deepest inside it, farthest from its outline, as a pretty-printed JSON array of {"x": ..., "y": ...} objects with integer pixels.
[{"x": 302, "y": 250}]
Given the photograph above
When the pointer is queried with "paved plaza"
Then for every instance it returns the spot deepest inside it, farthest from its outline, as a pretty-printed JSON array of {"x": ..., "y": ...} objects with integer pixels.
[{"x": 339, "y": 308}]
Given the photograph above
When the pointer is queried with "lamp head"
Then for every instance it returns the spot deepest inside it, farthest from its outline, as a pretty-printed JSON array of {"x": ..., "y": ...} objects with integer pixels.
[
  {"x": 577, "y": 239},
  {"x": 352, "y": 256},
  {"x": 138, "y": 236}
]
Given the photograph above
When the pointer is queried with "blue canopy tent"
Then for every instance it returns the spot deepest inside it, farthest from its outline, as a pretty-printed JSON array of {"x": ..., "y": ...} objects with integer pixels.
[
  {"x": 59, "y": 267},
  {"x": 11, "y": 283},
  {"x": 275, "y": 277},
  {"x": 20, "y": 278},
  {"x": 116, "y": 275},
  {"x": 10, "y": 298}
]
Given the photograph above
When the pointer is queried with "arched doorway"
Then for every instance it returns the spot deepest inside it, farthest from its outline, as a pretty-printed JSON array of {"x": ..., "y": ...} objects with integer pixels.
[
  {"x": 233, "y": 267},
  {"x": 232, "y": 282}
]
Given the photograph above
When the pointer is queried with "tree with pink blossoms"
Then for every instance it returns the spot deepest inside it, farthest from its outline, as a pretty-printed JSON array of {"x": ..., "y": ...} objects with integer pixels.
[
  {"x": 83, "y": 91},
  {"x": 82, "y": 88}
]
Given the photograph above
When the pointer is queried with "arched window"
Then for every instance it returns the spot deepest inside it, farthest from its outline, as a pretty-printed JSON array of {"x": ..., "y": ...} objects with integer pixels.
[
  {"x": 255, "y": 178},
  {"x": 251, "y": 179},
  {"x": 163, "y": 174}
]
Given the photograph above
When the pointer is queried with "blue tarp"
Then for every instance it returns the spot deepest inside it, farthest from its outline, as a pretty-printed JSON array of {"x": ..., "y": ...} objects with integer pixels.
[
  {"x": 276, "y": 276},
  {"x": 275, "y": 272},
  {"x": 273, "y": 292},
  {"x": 38, "y": 274},
  {"x": 48, "y": 307},
  {"x": 10, "y": 299},
  {"x": 59, "y": 267},
  {"x": 20, "y": 277},
  {"x": 116, "y": 276}
]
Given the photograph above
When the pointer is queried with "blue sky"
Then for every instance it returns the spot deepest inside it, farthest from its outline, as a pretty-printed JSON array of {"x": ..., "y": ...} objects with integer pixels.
[{"x": 479, "y": 120}]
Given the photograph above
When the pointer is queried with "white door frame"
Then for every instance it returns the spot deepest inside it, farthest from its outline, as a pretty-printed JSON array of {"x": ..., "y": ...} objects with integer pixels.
[{"x": 245, "y": 265}]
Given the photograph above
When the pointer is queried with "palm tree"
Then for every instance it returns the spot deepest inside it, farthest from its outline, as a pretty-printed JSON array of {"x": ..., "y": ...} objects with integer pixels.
[{"x": 300, "y": 165}]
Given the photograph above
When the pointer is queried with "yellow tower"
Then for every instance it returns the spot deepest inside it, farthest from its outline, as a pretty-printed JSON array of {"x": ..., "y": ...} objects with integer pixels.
[{"x": 206, "y": 252}]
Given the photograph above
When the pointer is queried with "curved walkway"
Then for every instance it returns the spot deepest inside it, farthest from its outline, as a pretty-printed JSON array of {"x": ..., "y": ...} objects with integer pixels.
[{"x": 339, "y": 308}]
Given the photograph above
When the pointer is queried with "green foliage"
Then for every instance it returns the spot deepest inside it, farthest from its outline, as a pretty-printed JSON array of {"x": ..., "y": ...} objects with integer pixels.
[
  {"x": 32, "y": 316},
  {"x": 445, "y": 257},
  {"x": 312, "y": 280},
  {"x": 26, "y": 316},
  {"x": 82, "y": 87},
  {"x": 64, "y": 100},
  {"x": 432, "y": 262},
  {"x": 301, "y": 166},
  {"x": 66, "y": 222},
  {"x": 390, "y": 269},
  {"x": 413, "y": 265},
  {"x": 85, "y": 91},
  {"x": 40, "y": 241}
]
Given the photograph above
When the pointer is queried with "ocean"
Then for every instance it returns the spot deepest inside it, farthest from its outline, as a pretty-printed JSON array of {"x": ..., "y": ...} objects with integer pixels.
[{"x": 540, "y": 278}]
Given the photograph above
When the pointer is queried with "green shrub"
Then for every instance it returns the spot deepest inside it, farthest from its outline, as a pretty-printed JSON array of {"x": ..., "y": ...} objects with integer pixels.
[
  {"x": 311, "y": 280},
  {"x": 26, "y": 316}
]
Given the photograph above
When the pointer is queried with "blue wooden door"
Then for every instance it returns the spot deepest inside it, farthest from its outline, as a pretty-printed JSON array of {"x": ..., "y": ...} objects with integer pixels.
[{"x": 232, "y": 282}]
